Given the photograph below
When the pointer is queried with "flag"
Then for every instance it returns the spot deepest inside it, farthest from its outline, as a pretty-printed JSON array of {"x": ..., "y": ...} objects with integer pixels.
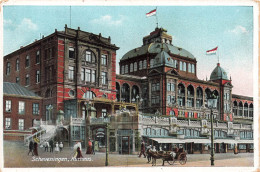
[
  {"x": 151, "y": 13},
  {"x": 213, "y": 51}
]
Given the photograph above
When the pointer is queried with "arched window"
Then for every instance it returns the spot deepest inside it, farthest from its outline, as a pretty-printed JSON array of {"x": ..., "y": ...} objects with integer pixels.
[
  {"x": 135, "y": 66},
  {"x": 240, "y": 109},
  {"x": 126, "y": 68},
  {"x": 199, "y": 97},
  {"x": 144, "y": 64},
  {"x": 131, "y": 67},
  {"x": 135, "y": 92},
  {"x": 17, "y": 67},
  {"x": 184, "y": 66},
  {"x": 246, "y": 110},
  {"x": 90, "y": 57},
  {"x": 207, "y": 94},
  {"x": 181, "y": 95},
  {"x": 181, "y": 67},
  {"x": 189, "y": 67},
  {"x": 235, "y": 108},
  {"x": 251, "y": 111},
  {"x": 89, "y": 95},
  {"x": 190, "y": 96},
  {"x": 122, "y": 69},
  {"x": 125, "y": 93},
  {"x": 140, "y": 65}
]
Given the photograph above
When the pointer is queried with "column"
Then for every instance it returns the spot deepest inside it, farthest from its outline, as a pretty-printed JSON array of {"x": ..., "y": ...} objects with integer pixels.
[
  {"x": 133, "y": 140},
  {"x": 185, "y": 101},
  {"x": 116, "y": 135}
]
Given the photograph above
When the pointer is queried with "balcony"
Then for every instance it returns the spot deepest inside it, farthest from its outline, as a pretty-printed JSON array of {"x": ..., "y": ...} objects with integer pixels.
[{"x": 99, "y": 121}]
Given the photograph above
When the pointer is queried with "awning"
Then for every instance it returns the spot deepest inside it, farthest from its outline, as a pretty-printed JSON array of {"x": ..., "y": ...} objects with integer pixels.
[
  {"x": 245, "y": 141},
  {"x": 197, "y": 140},
  {"x": 167, "y": 140},
  {"x": 225, "y": 141}
]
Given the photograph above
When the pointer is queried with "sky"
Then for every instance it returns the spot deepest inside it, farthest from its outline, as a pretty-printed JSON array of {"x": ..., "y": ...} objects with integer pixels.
[{"x": 194, "y": 28}]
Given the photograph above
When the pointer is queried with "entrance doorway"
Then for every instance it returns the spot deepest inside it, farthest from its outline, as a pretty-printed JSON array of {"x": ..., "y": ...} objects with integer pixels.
[{"x": 125, "y": 145}]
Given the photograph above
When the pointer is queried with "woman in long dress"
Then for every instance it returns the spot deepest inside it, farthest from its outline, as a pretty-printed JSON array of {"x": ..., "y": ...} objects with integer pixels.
[{"x": 57, "y": 149}]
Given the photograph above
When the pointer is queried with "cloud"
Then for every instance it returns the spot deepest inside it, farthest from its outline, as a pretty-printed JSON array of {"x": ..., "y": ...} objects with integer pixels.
[
  {"x": 239, "y": 30},
  {"x": 25, "y": 25},
  {"x": 108, "y": 20}
]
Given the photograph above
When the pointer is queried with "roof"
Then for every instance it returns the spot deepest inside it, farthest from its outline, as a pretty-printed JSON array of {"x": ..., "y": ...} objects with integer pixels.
[
  {"x": 157, "y": 48},
  {"x": 16, "y": 89},
  {"x": 218, "y": 73},
  {"x": 163, "y": 58}
]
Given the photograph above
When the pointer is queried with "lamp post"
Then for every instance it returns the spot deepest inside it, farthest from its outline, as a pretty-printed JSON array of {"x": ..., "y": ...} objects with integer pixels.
[
  {"x": 107, "y": 142},
  {"x": 86, "y": 118},
  {"x": 212, "y": 104}
]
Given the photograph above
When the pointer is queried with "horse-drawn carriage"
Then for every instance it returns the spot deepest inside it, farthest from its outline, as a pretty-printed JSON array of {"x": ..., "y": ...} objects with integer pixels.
[{"x": 170, "y": 157}]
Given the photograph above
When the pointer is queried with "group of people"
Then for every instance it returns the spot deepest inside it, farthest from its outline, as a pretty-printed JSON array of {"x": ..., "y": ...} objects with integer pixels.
[
  {"x": 33, "y": 148},
  {"x": 50, "y": 144}
]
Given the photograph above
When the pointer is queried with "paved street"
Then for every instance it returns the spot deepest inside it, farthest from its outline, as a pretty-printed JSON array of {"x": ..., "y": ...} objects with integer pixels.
[{"x": 16, "y": 156}]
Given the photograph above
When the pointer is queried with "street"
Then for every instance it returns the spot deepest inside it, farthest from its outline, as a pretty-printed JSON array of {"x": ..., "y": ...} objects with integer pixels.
[{"x": 15, "y": 155}]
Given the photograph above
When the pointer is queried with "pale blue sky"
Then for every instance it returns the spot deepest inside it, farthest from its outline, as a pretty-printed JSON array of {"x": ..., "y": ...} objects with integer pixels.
[{"x": 195, "y": 29}]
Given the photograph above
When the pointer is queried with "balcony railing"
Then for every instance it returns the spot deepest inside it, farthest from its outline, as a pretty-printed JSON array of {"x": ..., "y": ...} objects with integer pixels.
[{"x": 99, "y": 120}]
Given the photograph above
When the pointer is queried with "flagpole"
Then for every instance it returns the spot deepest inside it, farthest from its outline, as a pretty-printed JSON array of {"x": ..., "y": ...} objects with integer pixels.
[
  {"x": 156, "y": 18},
  {"x": 218, "y": 55}
]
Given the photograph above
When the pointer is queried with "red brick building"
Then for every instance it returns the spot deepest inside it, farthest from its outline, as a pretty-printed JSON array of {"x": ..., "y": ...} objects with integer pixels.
[{"x": 21, "y": 109}]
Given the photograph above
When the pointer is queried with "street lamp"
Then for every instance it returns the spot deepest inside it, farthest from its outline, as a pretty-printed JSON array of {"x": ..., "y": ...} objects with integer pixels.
[
  {"x": 107, "y": 141},
  {"x": 86, "y": 118},
  {"x": 212, "y": 104}
]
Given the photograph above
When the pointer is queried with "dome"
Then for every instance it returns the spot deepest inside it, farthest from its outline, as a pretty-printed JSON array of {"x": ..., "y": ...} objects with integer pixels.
[
  {"x": 155, "y": 48},
  {"x": 218, "y": 73}
]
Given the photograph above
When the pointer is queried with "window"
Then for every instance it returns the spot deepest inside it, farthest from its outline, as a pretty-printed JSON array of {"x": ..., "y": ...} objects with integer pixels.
[
  {"x": 82, "y": 74},
  {"x": 131, "y": 67},
  {"x": 27, "y": 80},
  {"x": 90, "y": 57},
  {"x": 189, "y": 67},
  {"x": 35, "y": 108},
  {"x": 71, "y": 72},
  {"x": 135, "y": 66},
  {"x": 168, "y": 86},
  {"x": 151, "y": 62},
  {"x": 122, "y": 69},
  {"x": 89, "y": 95},
  {"x": 104, "y": 113},
  {"x": 154, "y": 87},
  {"x": 181, "y": 65},
  {"x": 144, "y": 64},
  {"x": 37, "y": 76},
  {"x": 21, "y": 107},
  {"x": 27, "y": 61},
  {"x": 172, "y": 87},
  {"x": 192, "y": 68},
  {"x": 140, "y": 65},
  {"x": 184, "y": 66},
  {"x": 174, "y": 63},
  {"x": 17, "y": 80},
  {"x": 104, "y": 59},
  {"x": 126, "y": 68},
  {"x": 8, "y": 68},
  {"x": 8, "y": 105},
  {"x": 17, "y": 67},
  {"x": 8, "y": 123},
  {"x": 38, "y": 57},
  {"x": 21, "y": 124},
  {"x": 71, "y": 53},
  {"x": 93, "y": 76},
  {"x": 88, "y": 75},
  {"x": 158, "y": 86},
  {"x": 104, "y": 78}
]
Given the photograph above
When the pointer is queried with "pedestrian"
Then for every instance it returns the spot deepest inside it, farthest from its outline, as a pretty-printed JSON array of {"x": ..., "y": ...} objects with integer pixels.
[
  {"x": 142, "y": 150},
  {"x": 46, "y": 145},
  {"x": 93, "y": 147},
  {"x": 31, "y": 148},
  {"x": 148, "y": 153},
  {"x": 61, "y": 146},
  {"x": 35, "y": 149},
  {"x": 89, "y": 149},
  {"x": 51, "y": 145},
  {"x": 235, "y": 149},
  {"x": 79, "y": 154},
  {"x": 57, "y": 149}
]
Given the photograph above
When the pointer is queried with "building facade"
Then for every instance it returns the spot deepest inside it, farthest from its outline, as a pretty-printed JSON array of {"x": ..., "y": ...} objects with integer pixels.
[
  {"x": 22, "y": 109},
  {"x": 75, "y": 73}
]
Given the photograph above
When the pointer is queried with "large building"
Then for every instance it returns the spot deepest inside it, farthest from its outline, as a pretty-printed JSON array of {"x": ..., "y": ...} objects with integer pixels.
[{"x": 156, "y": 97}]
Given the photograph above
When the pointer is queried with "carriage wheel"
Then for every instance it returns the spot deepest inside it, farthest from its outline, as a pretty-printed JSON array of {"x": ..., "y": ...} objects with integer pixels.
[
  {"x": 171, "y": 162},
  {"x": 183, "y": 159}
]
